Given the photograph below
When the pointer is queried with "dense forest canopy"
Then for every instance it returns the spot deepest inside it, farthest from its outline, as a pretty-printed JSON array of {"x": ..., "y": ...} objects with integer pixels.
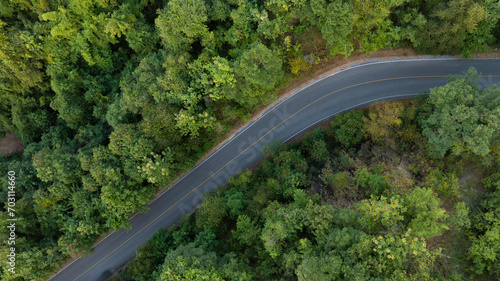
[
  {"x": 367, "y": 197},
  {"x": 112, "y": 99}
]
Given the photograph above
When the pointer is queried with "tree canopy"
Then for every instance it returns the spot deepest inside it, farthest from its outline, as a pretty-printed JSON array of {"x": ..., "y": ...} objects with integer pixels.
[
  {"x": 465, "y": 118},
  {"x": 113, "y": 99}
]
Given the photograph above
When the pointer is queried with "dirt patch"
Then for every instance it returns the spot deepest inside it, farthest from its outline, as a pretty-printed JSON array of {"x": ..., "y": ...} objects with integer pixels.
[
  {"x": 493, "y": 55},
  {"x": 468, "y": 175},
  {"x": 10, "y": 144}
]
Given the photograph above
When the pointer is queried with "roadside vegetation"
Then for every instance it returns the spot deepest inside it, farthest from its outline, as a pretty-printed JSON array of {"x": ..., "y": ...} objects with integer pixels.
[
  {"x": 112, "y": 100},
  {"x": 373, "y": 195}
]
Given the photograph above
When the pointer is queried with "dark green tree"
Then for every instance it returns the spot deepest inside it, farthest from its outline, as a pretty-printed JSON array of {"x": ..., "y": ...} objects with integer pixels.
[
  {"x": 211, "y": 213},
  {"x": 258, "y": 70},
  {"x": 336, "y": 21},
  {"x": 181, "y": 23},
  {"x": 348, "y": 128},
  {"x": 464, "y": 118}
]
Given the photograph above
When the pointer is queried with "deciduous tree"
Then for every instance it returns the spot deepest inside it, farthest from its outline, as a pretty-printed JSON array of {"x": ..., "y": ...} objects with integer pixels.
[
  {"x": 258, "y": 70},
  {"x": 348, "y": 128},
  {"x": 464, "y": 118},
  {"x": 383, "y": 119}
]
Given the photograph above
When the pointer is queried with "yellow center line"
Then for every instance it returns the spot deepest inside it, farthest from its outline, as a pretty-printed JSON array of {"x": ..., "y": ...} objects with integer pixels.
[{"x": 345, "y": 88}]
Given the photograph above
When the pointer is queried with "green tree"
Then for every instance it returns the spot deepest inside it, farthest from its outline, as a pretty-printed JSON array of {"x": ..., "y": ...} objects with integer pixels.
[
  {"x": 181, "y": 23},
  {"x": 77, "y": 30},
  {"x": 125, "y": 140},
  {"x": 235, "y": 201},
  {"x": 289, "y": 168},
  {"x": 485, "y": 248},
  {"x": 348, "y": 128},
  {"x": 57, "y": 165},
  {"x": 247, "y": 230},
  {"x": 403, "y": 256},
  {"x": 316, "y": 145},
  {"x": 122, "y": 198},
  {"x": 140, "y": 87},
  {"x": 22, "y": 58},
  {"x": 22, "y": 117},
  {"x": 383, "y": 119},
  {"x": 460, "y": 217},
  {"x": 129, "y": 21},
  {"x": 190, "y": 263},
  {"x": 281, "y": 227},
  {"x": 214, "y": 77},
  {"x": 464, "y": 118},
  {"x": 211, "y": 213},
  {"x": 279, "y": 19},
  {"x": 336, "y": 21},
  {"x": 258, "y": 70},
  {"x": 373, "y": 27},
  {"x": 158, "y": 124},
  {"x": 242, "y": 31},
  {"x": 319, "y": 218},
  {"x": 319, "y": 268},
  {"x": 340, "y": 243},
  {"x": 380, "y": 214},
  {"x": 192, "y": 123},
  {"x": 458, "y": 26},
  {"x": 445, "y": 184},
  {"x": 242, "y": 180},
  {"x": 372, "y": 183},
  {"x": 424, "y": 215},
  {"x": 67, "y": 83},
  {"x": 148, "y": 257},
  {"x": 120, "y": 180}
]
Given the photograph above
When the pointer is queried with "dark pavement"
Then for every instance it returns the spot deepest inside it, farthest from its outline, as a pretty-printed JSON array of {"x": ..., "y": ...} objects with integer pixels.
[{"x": 352, "y": 88}]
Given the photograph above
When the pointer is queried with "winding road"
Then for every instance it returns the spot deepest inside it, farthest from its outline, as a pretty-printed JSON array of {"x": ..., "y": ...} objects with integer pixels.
[{"x": 348, "y": 89}]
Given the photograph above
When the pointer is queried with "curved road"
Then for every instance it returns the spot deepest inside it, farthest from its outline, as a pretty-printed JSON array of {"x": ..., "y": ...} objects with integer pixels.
[{"x": 355, "y": 87}]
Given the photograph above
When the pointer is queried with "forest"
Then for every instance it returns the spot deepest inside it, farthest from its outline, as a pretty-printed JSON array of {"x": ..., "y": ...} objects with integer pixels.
[
  {"x": 113, "y": 99},
  {"x": 375, "y": 194}
]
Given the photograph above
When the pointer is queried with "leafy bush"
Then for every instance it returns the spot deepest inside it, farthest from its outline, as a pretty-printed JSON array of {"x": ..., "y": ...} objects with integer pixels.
[
  {"x": 442, "y": 183},
  {"x": 424, "y": 215},
  {"x": 379, "y": 214},
  {"x": 348, "y": 128},
  {"x": 485, "y": 248},
  {"x": 340, "y": 180},
  {"x": 211, "y": 213},
  {"x": 316, "y": 146},
  {"x": 383, "y": 119},
  {"x": 372, "y": 183}
]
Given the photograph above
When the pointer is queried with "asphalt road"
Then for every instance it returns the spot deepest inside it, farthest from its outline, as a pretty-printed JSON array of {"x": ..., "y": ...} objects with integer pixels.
[{"x": 355, "y": 87}]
